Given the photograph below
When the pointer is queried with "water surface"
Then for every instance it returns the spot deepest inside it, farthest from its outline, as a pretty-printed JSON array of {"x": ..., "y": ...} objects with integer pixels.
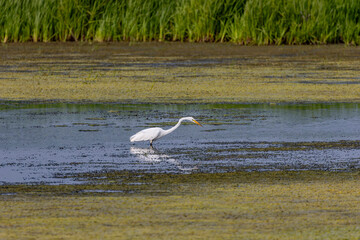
[{"x": 62, "y": 143}]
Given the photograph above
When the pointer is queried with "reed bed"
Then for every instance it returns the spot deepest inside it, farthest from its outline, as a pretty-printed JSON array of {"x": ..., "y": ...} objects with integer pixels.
[{"x": 259, "y": 22}]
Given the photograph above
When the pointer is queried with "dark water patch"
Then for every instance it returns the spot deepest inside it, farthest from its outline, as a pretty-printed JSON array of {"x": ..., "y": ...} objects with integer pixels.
[
  {"x": 17, "y": 71},
  {"x": 214, "y": 130},
  {"x": 142, "y": 65},
  {"x": 286, "y": 146},
  {"x": 298, "y": 75},
  {"x": 329, "y": 82}
]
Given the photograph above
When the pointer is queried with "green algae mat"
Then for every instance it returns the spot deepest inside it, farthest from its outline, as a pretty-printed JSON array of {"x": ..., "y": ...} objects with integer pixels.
[
  {"x": 179, "y": 72},
  {"x": 257, "y": 205}
]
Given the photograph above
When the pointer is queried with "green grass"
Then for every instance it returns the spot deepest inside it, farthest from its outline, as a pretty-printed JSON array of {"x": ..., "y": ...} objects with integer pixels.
[{"x": 258, "y": 22}]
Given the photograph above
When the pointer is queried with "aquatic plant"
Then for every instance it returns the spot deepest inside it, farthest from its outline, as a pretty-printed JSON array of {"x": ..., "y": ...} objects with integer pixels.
[
  {"x": 242, "y": 205},
  {"x": 245, "y": 21},
  {"x": 222, "y": 73}
]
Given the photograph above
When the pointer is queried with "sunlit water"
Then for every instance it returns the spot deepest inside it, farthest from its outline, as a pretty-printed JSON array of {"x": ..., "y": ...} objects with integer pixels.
[{"x": 53, "y": 143}]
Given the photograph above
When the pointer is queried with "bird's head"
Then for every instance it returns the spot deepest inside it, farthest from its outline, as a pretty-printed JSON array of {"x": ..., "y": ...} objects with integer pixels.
[{"x": 191, "y": 119}]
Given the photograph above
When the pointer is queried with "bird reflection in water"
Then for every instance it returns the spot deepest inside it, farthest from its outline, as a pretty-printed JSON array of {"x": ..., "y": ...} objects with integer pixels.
[{"x": 152, "y": 155}]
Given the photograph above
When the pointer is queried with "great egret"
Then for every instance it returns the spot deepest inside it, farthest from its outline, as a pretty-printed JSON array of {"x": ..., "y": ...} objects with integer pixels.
[{"x": 152, "y": 134}]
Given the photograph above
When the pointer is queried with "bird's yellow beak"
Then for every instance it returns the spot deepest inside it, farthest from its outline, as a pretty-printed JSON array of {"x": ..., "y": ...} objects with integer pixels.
[{"x": 197, "y": 123}]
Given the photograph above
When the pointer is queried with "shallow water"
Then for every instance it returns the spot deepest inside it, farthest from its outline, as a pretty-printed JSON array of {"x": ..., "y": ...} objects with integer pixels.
[{"x": 77, "y": 143}]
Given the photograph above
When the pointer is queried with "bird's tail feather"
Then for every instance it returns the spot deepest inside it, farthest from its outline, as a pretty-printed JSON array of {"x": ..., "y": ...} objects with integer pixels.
[{"x": 132, "y": 138}]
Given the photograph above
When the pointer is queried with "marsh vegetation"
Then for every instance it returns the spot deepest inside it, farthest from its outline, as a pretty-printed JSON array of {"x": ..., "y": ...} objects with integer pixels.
[
  {"x": 257, "y": 205},
  {"x": 246, "y": 22},
  {"x": 179, "y": 73}
]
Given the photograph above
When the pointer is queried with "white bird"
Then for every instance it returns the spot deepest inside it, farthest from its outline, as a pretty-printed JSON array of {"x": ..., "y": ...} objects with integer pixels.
[{"x": 152, "y": 134}]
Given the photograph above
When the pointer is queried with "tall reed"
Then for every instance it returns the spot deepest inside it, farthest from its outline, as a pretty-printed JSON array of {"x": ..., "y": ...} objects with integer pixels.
[{"x": 240, "y": 21}]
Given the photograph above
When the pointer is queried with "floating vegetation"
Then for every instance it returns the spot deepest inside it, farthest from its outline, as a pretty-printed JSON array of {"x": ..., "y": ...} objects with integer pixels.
[
  {"x": 255, "y": 205},
  {"x": 229, "y": 73},
  {"x": 80, "y": 124}
]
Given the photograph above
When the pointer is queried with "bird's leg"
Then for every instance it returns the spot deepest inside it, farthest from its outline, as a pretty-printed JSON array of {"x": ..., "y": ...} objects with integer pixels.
[{"x": 150, "y": 143}]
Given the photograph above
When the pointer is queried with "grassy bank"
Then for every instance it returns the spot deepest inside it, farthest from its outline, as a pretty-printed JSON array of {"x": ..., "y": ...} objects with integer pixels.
[
  {"x": 266, "y": 205},
  {"x": 245, "y": 21}
]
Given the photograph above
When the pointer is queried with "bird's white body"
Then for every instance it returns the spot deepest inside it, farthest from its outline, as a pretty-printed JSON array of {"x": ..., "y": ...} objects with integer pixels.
[
  {"x": 149, "y": 134},
  {"x": 152, "y": 134}
]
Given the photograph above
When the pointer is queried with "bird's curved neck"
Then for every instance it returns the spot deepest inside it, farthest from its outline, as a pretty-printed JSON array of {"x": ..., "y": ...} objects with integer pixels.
[{"x": 173, "y": 128}]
